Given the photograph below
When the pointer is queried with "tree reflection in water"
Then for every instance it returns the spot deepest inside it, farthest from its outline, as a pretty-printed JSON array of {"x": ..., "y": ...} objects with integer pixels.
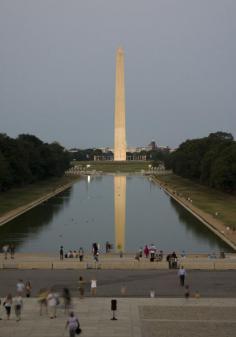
[{"x": 34, "y": 221}]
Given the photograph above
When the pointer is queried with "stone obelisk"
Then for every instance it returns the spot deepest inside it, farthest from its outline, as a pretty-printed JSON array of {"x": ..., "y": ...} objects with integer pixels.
[
  {"x": 120, "y": 133},
  {"x": 120, "y": 212}
]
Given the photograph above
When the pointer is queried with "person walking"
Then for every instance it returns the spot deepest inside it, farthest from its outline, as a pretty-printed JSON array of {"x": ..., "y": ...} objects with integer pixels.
[
  {"x": 96, "y": 256},
  {"x": 67, "y": 299},
  {"x": 168, "y": 259},
  {"x": 95, "y": 248},
  {"x": 5, "y": 249},
  {"x": 61, "y": 252},
  {"x": 152, "y": 251},
  {"x": 73, "y": 324},
  {"x": 12, "y": 250},
  {"x": 146, "y": 251},
  {"x": 28, "y": 289},
  {"x": 182, "y": 275},
  {"x": 52, "y": 303},
  {"x": 18, "y": 304},
  {"x": 81, "y": 287},
  {"x": 93, "y": 287},
  {"x": 20, "y": 287},
  {"x": 174, "y": 260},
  {"x": 7, "y": 304},
  {"x": 42, "y": 299},
  {"x": 81, "y": 254}
]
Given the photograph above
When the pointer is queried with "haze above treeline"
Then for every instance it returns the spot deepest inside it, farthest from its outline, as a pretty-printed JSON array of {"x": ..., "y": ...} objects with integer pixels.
[{"x": 58, "y": 69}]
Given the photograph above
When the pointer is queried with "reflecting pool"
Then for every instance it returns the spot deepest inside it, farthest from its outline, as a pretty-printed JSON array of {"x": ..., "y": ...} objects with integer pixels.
[{"x": 128, "y": 211}]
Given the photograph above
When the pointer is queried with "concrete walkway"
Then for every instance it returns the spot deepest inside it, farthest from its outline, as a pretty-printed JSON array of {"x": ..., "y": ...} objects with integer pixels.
[
  {"x": 113, "y": 261},
  {"x": 137, "y": 283},
  {"x": 136, "y": 318}
]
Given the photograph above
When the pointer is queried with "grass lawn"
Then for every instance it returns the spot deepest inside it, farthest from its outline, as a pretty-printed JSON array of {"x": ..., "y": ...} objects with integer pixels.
[
  {"x": 17, "y": 197},
  {"x": 206, "y": 199},
  {"x": 115, "y": 167}
]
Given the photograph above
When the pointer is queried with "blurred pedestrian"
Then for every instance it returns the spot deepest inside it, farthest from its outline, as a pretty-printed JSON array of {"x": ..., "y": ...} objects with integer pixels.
[
  {"x": 146, "y": 251},
  {"x": 81, "y": 254},
  {"x": 52, "y": 303},
  {"x": 18, "y": 304},
  {"x": 73, "y": 324},
  {"x": 5, "y": 249},
  {"x": 20, "y": 287},
  {"x": 168, "y": 259},
  {"x": 42, "y": 299},
  {"x": 28, "y": 289},
  {"x": 61, "y": 252},
  {"x": 81, "y": 287},
  {"x": 94, "y": 248},
  {"x": 182, "y": 275},
  {"x": 66, "y": 298},
  {"x": 12, "y": 250},
  {"x": 152, "y": 251},
  {"x": 174, "y": 260},
  {"x": 7, "y": 305},
  {"x": 96, "y": 256},
  {"x": 93, "y": 287}
]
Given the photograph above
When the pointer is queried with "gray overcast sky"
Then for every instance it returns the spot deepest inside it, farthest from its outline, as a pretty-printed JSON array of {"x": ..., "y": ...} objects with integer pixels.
[{"x": 57, "y": 63}]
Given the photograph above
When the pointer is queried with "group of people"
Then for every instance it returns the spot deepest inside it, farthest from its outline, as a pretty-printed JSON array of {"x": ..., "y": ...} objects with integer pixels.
[
  {"x": 8, "y": 249},
  {"x": 22, "y": 289},
  {"x": 109, "y": 247},
  {"x": 149, "y": 252},
  {"x": 50, "y": 300},
  {"x": 172, "y": 260},
  {"x": 154, "y": 254},
  {"x": 80, "y": 253},
  {"x": 72, "y": 254}
]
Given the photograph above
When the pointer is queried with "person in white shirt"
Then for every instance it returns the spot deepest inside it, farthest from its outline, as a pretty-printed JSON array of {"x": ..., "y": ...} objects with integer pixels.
[
  {"x": 5, "y": 249},
  {"x": 182, "y": 275},
  {"x": 52, "y": 303},
  {"x": 93, "y": 287},
  {"x": 20, "y": 287},
  {"x": 73, "y": 324}
]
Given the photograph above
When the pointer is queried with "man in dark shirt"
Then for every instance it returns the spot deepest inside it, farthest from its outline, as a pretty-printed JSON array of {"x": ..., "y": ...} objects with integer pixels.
[{"x": 61, "y": 253}]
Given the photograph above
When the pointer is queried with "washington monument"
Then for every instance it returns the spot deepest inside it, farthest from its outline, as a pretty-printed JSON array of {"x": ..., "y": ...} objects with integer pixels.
[{"x": 120, "y": 133}]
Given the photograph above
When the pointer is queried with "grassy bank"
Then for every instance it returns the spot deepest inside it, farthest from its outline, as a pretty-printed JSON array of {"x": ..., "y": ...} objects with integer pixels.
[
  {"x": 114, "y": 167},
  {"x": 18, "y": 197},
  {"x": 206, "y": 199}
]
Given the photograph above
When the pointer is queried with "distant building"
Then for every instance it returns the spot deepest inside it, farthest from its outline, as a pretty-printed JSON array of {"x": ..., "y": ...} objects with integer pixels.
[{"x": 132, "y": 152}]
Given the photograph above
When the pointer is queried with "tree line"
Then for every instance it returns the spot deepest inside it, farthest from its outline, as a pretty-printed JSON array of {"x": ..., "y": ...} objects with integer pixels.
[
  {"x": 27, "y": 159},
  {"x": 210, "y": 161}
]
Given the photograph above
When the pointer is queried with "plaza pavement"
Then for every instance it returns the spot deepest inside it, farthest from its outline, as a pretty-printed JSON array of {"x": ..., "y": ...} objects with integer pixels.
[
  {"x": 138, "y": 317},
  {"x": 138, "y": 283}
]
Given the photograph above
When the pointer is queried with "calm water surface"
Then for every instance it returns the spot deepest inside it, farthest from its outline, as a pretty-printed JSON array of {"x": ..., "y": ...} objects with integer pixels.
[{"x": 127, "y": 211}]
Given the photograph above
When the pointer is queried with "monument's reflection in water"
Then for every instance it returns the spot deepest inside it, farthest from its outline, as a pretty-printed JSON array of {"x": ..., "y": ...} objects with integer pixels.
[
  {"x": 95, "y": 210},
  {"x": 120, "y": 211}
]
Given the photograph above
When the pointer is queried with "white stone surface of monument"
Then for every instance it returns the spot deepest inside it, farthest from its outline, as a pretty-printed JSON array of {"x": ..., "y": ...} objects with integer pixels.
[{"x": 120, "y": 127}]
